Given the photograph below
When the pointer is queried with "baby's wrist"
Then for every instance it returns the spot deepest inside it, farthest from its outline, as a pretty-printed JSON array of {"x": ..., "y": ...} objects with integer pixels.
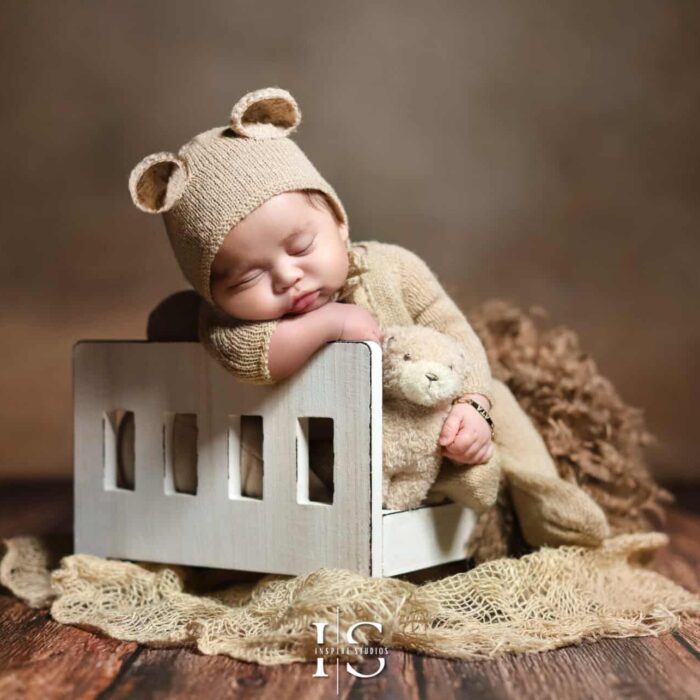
[
  {"x": 330, "y": 322},
  {"x": 482, "y": 400},
  {"x": 471, "y": 400}
]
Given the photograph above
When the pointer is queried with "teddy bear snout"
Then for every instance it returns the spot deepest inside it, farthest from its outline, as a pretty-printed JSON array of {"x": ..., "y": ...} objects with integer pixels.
[{"x": 427, "y": 383}]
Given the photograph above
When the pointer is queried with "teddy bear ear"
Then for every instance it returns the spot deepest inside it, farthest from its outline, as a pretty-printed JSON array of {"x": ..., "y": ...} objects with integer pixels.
[
  {"x": 157, "y": 182},
  {"x": 265, "y": 114}
]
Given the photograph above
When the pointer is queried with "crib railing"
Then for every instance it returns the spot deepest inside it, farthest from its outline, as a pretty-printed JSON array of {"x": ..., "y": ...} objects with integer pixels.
[{"x": 137, "y": 403}]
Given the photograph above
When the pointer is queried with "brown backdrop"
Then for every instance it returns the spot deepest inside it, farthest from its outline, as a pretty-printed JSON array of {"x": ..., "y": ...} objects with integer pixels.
[{"x": 542, "y": 152}]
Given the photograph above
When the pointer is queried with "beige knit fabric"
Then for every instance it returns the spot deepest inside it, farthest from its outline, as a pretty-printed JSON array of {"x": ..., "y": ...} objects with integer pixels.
[
  {"x": 545, "y": 600},
  {"x": 390, "y": 281},
  {"x": 24, "y": 570},
  {"x": 221, "y": 175},
  {"x": 399, "y": 289}
]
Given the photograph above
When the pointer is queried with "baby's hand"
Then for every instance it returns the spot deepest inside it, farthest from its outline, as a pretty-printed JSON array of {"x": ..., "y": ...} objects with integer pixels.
[
  {"x": 356, "y": 323},
  {"x": 466, "y": 436}
]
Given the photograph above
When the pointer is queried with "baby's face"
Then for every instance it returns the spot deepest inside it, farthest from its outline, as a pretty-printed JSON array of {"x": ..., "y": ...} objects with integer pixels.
[{"x": 282, "y": 250}]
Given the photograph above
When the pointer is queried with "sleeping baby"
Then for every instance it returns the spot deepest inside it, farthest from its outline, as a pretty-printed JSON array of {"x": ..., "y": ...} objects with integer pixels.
[{"x": 264, "y": 240}]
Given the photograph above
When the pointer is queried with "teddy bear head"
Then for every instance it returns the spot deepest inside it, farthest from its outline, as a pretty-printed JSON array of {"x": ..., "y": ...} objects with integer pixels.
[{"x": 422, "y": 365}]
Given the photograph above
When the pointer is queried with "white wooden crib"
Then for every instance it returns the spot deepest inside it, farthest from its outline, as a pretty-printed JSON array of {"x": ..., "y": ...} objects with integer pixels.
[{"x": 216, "y": 526}]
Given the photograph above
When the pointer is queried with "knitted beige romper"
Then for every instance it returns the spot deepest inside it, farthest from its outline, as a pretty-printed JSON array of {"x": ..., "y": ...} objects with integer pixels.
[{"x": 399, "y": 288}]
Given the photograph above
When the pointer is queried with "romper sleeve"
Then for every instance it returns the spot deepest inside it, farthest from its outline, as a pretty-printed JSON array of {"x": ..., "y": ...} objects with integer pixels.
[
  {"x": 241, "y": 347},
  {"x": 430, "y": 305}
]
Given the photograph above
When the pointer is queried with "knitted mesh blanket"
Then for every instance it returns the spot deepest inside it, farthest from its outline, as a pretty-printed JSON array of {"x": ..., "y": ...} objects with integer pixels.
[
  {"x": 508, "y": 603},
  {"x": 544, "y": 600}
]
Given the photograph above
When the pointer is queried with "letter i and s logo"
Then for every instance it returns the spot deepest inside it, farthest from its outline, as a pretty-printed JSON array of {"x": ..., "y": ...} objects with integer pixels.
[{"x": 320, "y": 641}]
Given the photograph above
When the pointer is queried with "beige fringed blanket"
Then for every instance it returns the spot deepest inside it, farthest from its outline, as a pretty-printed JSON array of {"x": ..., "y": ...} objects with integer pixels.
[{"x": 544, "y": 600}]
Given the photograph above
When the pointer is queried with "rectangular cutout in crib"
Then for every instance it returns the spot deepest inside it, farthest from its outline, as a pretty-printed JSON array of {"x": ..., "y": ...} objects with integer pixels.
[
  {"x": 315, "y": 460},
  {"x": 118, "y": 449},
  {"x": 245, "y": 457},
  {"x": 180, "y": 433}
]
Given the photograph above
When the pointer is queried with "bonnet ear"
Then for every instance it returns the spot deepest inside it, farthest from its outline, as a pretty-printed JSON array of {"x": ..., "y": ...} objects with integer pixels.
[
  {"x": 157, "y": 182},
  {"x": 265, "y": 114}
]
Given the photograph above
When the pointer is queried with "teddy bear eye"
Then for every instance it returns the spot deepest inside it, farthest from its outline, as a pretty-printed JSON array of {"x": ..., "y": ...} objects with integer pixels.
[
  {"x": 452, "y": 366},
  {"x": 407, "y": 356}
]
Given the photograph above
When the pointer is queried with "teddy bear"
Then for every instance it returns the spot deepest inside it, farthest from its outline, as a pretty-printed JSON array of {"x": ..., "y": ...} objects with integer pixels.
[{"x": 423, "y": 370}]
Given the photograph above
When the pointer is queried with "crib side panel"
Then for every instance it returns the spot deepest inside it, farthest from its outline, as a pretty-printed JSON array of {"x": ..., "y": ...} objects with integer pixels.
[{"x": 216, "y": 526}]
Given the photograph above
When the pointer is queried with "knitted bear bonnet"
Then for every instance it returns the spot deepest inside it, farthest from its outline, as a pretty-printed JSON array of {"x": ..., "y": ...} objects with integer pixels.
[{"x": 221, "y": 175}]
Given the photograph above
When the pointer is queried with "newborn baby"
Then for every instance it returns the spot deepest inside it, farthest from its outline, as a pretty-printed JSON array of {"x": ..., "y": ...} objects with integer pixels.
[
  {"x": 287, "y": 260},
  {"x": 264, "y": 239}
]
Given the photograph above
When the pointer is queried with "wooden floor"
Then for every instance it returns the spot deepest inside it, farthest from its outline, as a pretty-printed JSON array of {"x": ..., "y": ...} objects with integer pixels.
[{"x": 42, "y": 659}]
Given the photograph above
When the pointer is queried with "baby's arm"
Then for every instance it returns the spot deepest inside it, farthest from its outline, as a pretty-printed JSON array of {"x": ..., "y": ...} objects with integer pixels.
[
  {"x": 238, "y": 346},
  {"x": 264, "y": 352},
  {"x": 297, "y": 338}
]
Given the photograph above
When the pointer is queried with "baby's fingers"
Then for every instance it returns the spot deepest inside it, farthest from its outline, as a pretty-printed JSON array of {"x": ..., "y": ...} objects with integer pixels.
[
  {"x": 470, "y": 455},
  {"x": 484, "y": 454},
  {"x": 466, "y": 439},
  {"x": 449, "y": 429},
  {"x": 469, "y": 445}
]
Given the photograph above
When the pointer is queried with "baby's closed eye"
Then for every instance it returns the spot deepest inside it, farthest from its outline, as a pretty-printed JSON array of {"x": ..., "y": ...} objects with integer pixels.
[
  {"x": 247, "y": 281},
  {"x": 303, "y": 247}
]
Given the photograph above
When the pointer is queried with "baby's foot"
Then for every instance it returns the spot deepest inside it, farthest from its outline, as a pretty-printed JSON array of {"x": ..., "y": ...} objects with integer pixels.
[{"x": 552, "y": 511}]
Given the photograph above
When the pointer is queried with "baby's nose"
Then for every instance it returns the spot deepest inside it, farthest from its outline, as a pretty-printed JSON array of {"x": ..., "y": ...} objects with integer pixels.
[{"x": 286, "y": 278}]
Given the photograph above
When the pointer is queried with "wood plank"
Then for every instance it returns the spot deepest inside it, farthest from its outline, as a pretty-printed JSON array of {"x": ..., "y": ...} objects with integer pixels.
[
  {"x": 634, "y": 668},
  {"x": 41, "y": 659},
  {"x": 689, "y": 637},
  {"x": 183, "y": 673},
  {"x": 400, "y": 680},
  {"x": 680, "y": 560}
]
